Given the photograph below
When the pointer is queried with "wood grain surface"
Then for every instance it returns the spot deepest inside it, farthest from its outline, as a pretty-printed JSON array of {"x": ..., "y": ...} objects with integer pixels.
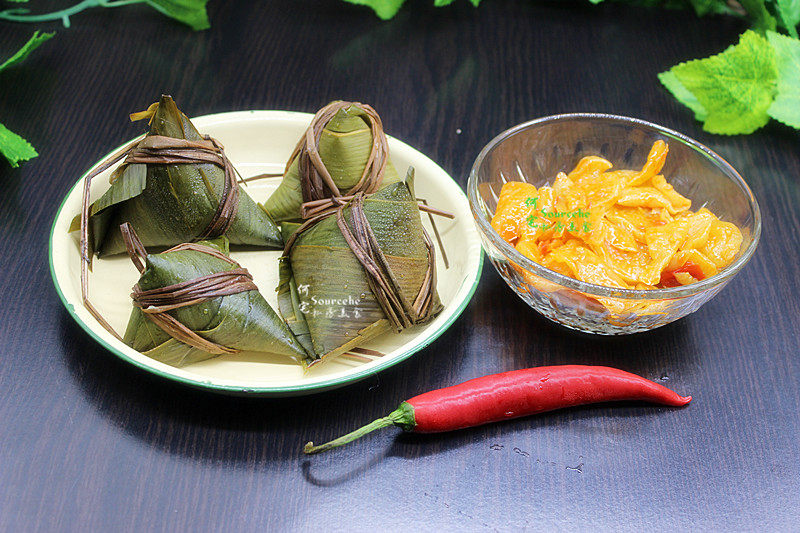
[{"x": 88, "y": 443}]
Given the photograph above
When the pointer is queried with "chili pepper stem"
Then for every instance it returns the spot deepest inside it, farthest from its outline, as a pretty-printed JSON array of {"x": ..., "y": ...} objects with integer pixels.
[{"x": 402, "y": 417}]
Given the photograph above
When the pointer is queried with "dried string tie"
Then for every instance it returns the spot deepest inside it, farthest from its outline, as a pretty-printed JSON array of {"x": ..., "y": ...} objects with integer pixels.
[
  {"x": 362, "y": 242},
  {"x": 157, "y": 149},
  {"x": 365, "y": 247},
  {"x": 160, "y": 150},
  {"x": 320, "y": 194},
  {"x": 156, "y": 303}
]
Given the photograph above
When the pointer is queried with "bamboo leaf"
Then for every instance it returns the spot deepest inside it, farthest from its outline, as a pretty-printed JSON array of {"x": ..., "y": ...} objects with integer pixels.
[
  {"x": 324, "y": 293},
  {"x": 344, "y": 146},
  {"x": 174, "y": 203},
  {"x": 242, "y": 321}
]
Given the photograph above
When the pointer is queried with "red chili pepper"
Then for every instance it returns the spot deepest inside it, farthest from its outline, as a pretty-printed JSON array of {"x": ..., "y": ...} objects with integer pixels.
[{"x": 512, "y": 395}]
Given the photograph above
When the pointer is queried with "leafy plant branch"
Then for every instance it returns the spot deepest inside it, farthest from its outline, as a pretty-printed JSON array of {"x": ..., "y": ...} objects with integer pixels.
[
  {"x": 12, "y": 146},
  {"x": 190, "y": 12}
]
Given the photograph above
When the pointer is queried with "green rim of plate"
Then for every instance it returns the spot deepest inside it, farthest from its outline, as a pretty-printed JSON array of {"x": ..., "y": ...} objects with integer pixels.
[{"x": 207, "y": 385}]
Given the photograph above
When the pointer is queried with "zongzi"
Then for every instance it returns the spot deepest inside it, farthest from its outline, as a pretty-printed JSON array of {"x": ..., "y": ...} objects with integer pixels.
[
  {"x": 174, "y": 186},
  {"x": 364, "y": 269},
  {"x": 193, "y": 302},
  {"x": 344, "y": 151}
]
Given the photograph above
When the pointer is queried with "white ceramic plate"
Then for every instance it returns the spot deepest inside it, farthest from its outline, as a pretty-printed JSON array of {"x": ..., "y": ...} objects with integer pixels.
[{"x": 257, "y": 142}]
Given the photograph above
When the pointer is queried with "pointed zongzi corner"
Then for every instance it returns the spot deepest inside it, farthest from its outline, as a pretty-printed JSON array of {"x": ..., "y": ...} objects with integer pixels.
[
  {"x": 176, "y": 186},
  {"x": 193, "y": 302},
  {"x": 359, "y": 272},
  {"x": 343, "y": 152}
]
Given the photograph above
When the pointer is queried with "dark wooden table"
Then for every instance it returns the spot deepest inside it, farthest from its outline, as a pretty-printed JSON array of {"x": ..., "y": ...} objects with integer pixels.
[{"x": 88, "y": 443}]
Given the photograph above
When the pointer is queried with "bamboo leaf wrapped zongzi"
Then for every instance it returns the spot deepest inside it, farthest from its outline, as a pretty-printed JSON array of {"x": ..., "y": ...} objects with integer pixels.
[
  {"x": 364, "y": 269},
  {"x": 344, "y": 151},
  {"x": 175, "y": 186},
  {"x": 193, "y": 302}
]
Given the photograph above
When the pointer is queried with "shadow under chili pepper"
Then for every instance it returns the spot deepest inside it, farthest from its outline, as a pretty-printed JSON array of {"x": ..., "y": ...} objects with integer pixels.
[
  {"x": 400, "y": 447},
  {"x": 409, "y": 446},
  {"x": 339, "y": 479}
]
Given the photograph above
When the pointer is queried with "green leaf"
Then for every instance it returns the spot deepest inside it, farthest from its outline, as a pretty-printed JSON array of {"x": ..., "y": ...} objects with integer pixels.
[
  {"x": 442, "y": 3},
  {"x": 788, "y": 15},
  {"x": 32, "y": 44},
  {"x": 385, "y": 9},
  {"x": 786, "y": 107},
  {"x": 735, "y": 87},
  {"x": 671, "y": 82},
  {"x": 704, "y": 7},
  {"x": 760, "y": 18},
  {"x": 17, "y": 1},
  {"x": 14, "y": 147},
  {"x": 190, "y": 12}
]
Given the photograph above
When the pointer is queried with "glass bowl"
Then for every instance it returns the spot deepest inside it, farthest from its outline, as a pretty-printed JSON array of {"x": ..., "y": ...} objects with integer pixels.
[{"x": 537, "y": 150}]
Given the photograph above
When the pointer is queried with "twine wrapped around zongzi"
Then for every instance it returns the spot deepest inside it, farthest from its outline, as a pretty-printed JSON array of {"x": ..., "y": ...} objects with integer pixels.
[
  {"x": 161, "y": 150},
  {"x": 365, "y": 247},
  {"x": 156, "y": 303},
  {"x": 320, "y": 193},
  {"x": 157, "y": 149},
  {"x": 382, "y": 282}
]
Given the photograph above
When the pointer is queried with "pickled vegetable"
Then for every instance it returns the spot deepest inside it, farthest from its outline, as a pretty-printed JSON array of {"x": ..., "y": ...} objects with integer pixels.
[{"x": 617, "y": 228}]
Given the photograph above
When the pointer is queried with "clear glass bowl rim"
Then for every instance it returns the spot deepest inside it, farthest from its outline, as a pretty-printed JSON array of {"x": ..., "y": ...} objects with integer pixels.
[{"x": 511, "y": 253}]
